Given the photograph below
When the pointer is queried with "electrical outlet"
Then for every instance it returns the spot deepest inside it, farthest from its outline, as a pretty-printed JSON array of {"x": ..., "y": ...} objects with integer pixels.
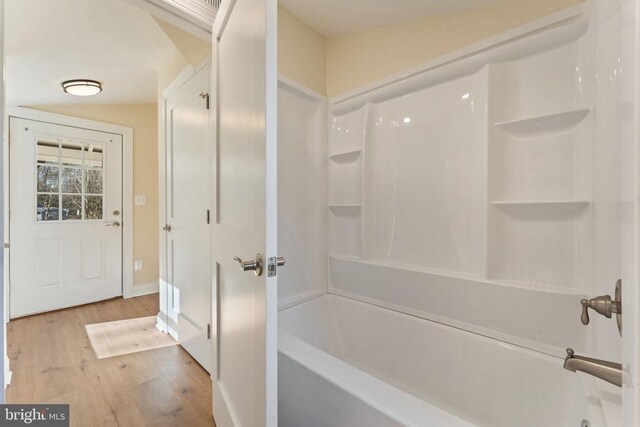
[
  {"x": 140, "y": 200},
  {"x": 137, "y": 265}
]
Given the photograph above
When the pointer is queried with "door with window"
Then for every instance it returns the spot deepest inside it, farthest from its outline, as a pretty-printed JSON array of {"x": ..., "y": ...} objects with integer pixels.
[{"x": 65, "y": 216}]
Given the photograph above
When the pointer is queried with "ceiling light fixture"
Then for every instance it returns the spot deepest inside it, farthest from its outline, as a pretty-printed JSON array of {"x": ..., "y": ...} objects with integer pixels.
[{"x": 82, "y": 87}]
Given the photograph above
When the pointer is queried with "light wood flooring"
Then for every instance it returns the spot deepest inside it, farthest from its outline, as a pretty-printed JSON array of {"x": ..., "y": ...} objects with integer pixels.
[{"x": 52, "y": 362}]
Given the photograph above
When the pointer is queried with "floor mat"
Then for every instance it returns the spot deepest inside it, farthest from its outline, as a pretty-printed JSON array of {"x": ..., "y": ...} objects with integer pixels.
[{"x": 127, "y": 336}]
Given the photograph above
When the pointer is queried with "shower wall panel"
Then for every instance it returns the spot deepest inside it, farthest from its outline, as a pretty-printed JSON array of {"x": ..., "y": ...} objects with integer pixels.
[
  {"x": 463, "y": 193},
  {"x": 302, "y": 194}
]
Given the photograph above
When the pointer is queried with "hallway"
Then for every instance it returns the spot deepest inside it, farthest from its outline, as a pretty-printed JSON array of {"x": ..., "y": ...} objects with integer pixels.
[{"x": 53, "y": 362}]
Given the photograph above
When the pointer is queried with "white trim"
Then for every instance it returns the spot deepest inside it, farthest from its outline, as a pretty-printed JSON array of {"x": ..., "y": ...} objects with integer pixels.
[
  {"x": 271, "y": 208},
  {"x": 4, "y": 232},
  {"x": 180, "y": 79},
  {"x": 145, "y": 289},
  {"x": 222, "y": 17},
  {"x": 127, "y": 177},
  {"x": 8, "y": 374},
  {"x": 359, "y": 96},
  {"x": 164, "y": 327},
  {"x": 303, "y": 90}
]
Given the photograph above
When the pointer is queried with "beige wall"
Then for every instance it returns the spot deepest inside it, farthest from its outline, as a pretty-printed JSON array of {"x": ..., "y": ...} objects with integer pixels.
[
  {"x": 143, "y": 118},
  {"x": 357, "y": 59},
  {"x": 335, "y": 65},
  {"x": 302, "y": 52},
  {"x": 194, "y": 50}
]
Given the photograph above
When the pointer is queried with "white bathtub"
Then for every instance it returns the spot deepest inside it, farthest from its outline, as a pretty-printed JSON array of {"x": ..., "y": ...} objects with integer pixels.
[{"x": 348, "y": 363}]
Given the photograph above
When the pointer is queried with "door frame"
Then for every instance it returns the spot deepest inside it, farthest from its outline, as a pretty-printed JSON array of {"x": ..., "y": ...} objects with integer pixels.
[
  {"x": 127, "y": 186},
  {"x": 181, "y": 79}
]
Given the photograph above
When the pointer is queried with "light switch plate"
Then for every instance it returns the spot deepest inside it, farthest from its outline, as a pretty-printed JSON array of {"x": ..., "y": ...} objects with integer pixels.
[
  {"x": 137, "y": 265},
  {"x": 140, "y": 200}
]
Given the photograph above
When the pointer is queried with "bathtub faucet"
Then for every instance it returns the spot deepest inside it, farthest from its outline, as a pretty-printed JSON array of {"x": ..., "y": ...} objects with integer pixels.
[{"x": 607, "y": 371}]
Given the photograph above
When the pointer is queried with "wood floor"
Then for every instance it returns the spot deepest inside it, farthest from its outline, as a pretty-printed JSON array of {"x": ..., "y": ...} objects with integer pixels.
[{"x": 53, "y": 362}]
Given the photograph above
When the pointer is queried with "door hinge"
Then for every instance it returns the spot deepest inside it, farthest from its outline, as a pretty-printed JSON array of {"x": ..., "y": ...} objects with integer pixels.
[
  {"x": 208, "y": 216},
  {"x": 205, "y": 96},
  {"x": 208, "y": 331}
]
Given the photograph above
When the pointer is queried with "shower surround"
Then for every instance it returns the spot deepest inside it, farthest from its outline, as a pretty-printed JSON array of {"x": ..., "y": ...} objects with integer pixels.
[{"x": 472, "y": 203}]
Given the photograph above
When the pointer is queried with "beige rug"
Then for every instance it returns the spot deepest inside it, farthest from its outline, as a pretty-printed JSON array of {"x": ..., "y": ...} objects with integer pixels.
[{"x": 127, "y": 336}]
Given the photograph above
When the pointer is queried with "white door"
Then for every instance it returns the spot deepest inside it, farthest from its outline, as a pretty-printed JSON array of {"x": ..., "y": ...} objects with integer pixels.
[
  {"x": 65, "y": 216},
  {"x": 187, "y": 231},
  {"x": 245, "y": 213}
]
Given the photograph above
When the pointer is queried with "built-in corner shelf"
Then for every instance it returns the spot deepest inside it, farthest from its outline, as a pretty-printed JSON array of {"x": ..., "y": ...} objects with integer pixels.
[
  {"x": 347, "y": 156},
  {"x": 552, "y": 123},
  {"x": 542, "y": 208}
]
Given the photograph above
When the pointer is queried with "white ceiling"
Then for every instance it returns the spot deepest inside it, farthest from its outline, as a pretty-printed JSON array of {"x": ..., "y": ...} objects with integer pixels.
[
  {"x": 111, "y": 41},
  {"x": 333, "y": 17}
]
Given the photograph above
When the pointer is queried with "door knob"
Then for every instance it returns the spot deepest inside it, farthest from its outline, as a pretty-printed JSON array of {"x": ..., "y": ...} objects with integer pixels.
[
  {"x": 167, "y": 227},
  {"x": 114, "y": 224},
  {"x": 605, "y": 306},
  {"x": 253, "y": 265}
]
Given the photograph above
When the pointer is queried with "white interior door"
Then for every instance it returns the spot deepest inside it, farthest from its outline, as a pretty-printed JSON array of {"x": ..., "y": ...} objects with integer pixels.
[
  {"x": 245, "y": 213},
  {"x": 188, "y": 252},
  {"x": 65, "y": 216}
]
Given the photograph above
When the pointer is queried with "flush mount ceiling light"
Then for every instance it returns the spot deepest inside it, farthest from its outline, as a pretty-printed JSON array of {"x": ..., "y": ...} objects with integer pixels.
[{"x": 82, "y": 87}]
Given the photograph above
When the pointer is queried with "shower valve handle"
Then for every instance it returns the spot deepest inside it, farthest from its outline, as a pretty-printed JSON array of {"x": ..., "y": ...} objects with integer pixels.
[{"x": 602, "y": 305}]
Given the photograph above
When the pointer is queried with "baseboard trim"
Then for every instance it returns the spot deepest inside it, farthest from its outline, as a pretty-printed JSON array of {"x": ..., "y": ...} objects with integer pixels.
[
  {"x": 143, "y": 289},
  {"x": 7, "y": 372},
  {"x": 164, "y": 327}
]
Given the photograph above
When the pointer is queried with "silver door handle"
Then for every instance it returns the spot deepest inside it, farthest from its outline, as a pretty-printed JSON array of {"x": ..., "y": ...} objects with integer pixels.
[
  {"x": 253, "y": 265},
  {"x": 114, "y": 224},
  {"x": 166, "y": 228}
]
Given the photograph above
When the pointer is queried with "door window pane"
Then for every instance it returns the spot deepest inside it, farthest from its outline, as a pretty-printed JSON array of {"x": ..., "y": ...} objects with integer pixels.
[
  {"x": 71, "y": 153},
  {"x": 93, "y": 182},
  {"x": 93, "y": 156},
  {"x": 47, "y": 207},
  {"x": 71, "y": 180},
  {"x": 48, "y": 151},
  {"x": 71, "y": 207},
  {"x": 48, "y": 178},
  {"x": 93, "y": 207}
]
